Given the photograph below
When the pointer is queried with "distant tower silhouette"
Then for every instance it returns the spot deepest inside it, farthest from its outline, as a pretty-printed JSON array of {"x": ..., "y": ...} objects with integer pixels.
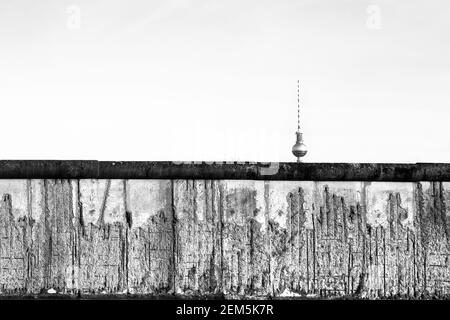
[{"x": 299, "y": 149}]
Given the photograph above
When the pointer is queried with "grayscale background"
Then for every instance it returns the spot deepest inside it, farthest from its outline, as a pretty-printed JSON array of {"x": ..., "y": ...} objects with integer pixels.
[{"x": 216, "y": 80}]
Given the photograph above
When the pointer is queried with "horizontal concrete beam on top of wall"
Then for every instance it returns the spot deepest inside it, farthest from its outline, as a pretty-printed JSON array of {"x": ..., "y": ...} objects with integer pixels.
[
  {"x": 57, "y": 169},
  {"x": 238, "y": 238}
]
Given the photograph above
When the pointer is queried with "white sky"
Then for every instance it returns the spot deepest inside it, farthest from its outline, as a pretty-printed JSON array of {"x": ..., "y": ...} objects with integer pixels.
[{"x": 216, "y": 80}]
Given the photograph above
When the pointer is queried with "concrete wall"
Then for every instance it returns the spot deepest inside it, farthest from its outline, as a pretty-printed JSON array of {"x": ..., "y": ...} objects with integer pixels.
[{"x": 232, "y": 237}]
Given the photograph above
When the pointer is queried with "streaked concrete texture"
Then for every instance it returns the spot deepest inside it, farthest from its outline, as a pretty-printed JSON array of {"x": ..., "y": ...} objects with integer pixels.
[{"x": 232, "y": 237}]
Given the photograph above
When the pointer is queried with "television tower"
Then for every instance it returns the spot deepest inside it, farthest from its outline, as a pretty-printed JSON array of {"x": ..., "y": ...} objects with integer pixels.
[{"x": 299, "y": 149}]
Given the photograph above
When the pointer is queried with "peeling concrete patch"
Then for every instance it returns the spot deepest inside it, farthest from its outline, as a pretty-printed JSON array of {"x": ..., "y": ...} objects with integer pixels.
[
  {"x": 114, "y": 202},
  {"x": 146, "y": 198},
  {"x": 36, "y": 195},
  {"x": 17, "y": 190},
  {"x": 92, "y": 195},
  {"x": 378, "y": 201},
  {"x": 278, "y": 193}
]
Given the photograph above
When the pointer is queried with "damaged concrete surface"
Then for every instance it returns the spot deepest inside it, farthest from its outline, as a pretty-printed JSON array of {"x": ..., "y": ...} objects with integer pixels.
[{"x": 232, "y": 237}]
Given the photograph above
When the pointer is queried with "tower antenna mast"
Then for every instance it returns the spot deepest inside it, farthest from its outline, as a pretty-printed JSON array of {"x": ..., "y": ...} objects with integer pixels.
[
  {"x": 298, "y": 105},
  {"x": 299, "y": 149}
]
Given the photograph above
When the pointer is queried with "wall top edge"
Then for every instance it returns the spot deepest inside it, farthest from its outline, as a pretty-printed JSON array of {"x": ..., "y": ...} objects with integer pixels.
[{"x": 286, "y": 171}]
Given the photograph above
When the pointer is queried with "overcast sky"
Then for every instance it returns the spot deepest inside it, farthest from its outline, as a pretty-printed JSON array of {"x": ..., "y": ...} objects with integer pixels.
[{"x": 216, "y": 80}]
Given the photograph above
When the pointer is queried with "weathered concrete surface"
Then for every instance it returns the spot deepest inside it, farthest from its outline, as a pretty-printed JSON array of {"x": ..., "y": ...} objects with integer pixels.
[
  {"x": 232, "y": 237},
  {"x": 271, "y": 171}
]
